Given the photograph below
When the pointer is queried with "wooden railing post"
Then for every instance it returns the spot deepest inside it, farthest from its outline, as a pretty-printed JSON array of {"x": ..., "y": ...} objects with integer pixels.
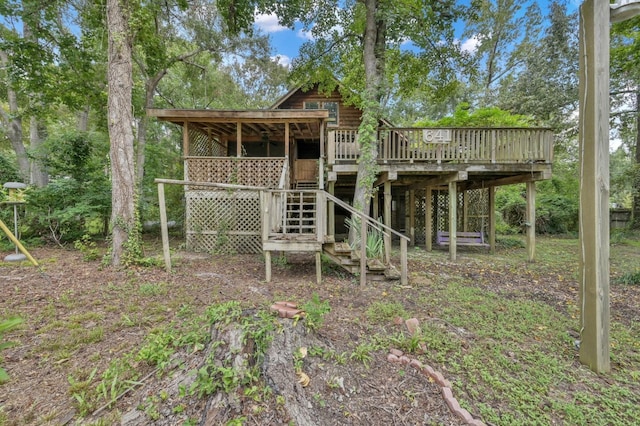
[
  {"x": 404, "y": 274},
  {"x": 331, "y": 147},
  {"x": 493, "y": 146},
  {"x": 163, "y": 227},
  {"x": 331, "y": 215},
  {"x": 321, "y": 215}
]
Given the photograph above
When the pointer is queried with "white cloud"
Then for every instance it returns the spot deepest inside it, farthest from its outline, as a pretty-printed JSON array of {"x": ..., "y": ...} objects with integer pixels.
[
  {"x": 305, "y": 34},
  {"x": 268, "y": 23},
  {"x": 470, "y": 45},
  {"x": 283, "y": 60}
]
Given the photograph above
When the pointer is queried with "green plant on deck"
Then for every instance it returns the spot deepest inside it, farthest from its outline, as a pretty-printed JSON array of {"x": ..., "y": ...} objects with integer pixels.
[{"x": 6, "y": 326}]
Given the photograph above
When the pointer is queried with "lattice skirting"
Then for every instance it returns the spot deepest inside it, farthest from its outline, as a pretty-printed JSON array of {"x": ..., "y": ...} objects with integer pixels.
[
  {"x": 477, "y": 218},
  {"x": 223, "y": 221}
]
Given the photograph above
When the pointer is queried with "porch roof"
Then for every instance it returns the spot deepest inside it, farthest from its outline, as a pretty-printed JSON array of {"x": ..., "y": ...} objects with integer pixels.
[{"x": 224, "y": 122}]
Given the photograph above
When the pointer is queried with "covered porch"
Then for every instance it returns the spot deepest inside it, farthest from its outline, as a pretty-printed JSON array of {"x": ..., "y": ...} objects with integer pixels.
[{"x": 266, "y": 148}]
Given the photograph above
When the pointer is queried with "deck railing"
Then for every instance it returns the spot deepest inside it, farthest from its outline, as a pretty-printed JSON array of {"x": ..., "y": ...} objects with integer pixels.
[
  {"x": 462, "y": 145},
  {"x": 252, "y": 171}
]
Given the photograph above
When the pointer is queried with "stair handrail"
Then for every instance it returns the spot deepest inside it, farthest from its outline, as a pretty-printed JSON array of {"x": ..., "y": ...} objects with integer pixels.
[
  {"x": 374, "y": 222},
  {"x": 368, "y": 220}
]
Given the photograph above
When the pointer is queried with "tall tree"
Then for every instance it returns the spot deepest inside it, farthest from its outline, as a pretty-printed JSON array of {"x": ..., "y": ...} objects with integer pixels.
[
  {"x": 42, "y": 67},
  {"x": 505, "y": 31},
  {"x": 120, "y": 119},
  {"x": 546, "y": 86},
  {"x": 360, "y": 43}
]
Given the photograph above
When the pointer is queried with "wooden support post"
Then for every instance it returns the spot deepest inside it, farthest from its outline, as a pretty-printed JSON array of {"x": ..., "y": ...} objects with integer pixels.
[
  {"x": 492, "y": 219},
  {"x": 412, "y": 217},
  {"x": 594, "y": 184},
  {"x": 428, "y": 219},
  {"x": 531, "y": 221},
  {"x": 164, "y": 227},
  {"x": 238, "y": 139},
  {"x": 375, "y": 206},
  {"x": 186, "y": 147},
  {"x": 331, "y": 211},
  {"x": 404, "y": 276},
  {"x": 387, "y": 219},
  {"x": 267, "y": 265},
  {"x": 465, "y": 211},
  {"x": 318, "y": 268},
  {"x": 363, "y": 252},
  {"x": 286, "y": 139},
  {"x": 453, "y": 215},
  {"x": 331, "y": 148},
  {"x": 322, "y": 138}
]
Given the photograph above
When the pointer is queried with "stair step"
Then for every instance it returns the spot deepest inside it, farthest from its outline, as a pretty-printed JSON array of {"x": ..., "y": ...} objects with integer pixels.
[
  {"x": 342, "y": 248},
  {"x": 303, "y": 184}
]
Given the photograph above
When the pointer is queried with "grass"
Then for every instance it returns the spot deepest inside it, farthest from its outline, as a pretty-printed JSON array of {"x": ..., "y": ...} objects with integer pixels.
[
  {"x": 510, "y": 355},
  {"x": 512, "y": 359}
]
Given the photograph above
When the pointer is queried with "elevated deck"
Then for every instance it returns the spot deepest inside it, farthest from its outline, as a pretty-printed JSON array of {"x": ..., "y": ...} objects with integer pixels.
[{"x": 420, "y": 157}]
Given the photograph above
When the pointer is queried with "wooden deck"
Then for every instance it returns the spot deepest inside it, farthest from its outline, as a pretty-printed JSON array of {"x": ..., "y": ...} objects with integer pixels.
[{"x": 445, "y": 145}]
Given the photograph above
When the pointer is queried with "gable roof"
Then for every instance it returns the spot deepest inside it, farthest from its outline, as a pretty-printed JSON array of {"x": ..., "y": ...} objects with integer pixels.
[{"x": 284, "y": 98}]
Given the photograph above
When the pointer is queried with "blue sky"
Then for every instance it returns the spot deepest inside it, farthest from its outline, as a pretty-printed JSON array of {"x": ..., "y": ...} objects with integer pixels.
[{"x": 287, "y": 42}]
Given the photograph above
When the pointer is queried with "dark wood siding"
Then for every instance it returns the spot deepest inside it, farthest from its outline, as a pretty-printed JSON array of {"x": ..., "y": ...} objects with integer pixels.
[{"x": 348, "y": 116}]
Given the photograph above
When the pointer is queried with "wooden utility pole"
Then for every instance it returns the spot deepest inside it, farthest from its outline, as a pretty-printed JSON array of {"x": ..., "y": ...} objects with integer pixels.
[{"x": 595, "y": 16}]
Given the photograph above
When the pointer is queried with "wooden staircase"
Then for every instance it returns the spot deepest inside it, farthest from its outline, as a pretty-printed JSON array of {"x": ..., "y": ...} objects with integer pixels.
[
  {"x": 300, "y": 213},
  {"x": 297, "y": 221},
  {"x": 349, "y": 259}
]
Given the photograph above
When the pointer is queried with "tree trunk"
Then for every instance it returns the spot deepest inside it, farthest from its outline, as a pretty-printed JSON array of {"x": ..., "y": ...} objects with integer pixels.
[
  {"x": 120, "y": 119},
  {"x": 635, "y": 216},
  {"x": 39, "y": 175},
  {"x": 373, "y": 56},
  {"x": 13, "y": 124},
  {"x": 83, "y": 120}
]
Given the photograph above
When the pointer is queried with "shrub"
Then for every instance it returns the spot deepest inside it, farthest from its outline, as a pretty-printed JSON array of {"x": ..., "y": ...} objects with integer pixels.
[
  {"x": 8, "y": 170},
  {"x": 66, "y": 210}
]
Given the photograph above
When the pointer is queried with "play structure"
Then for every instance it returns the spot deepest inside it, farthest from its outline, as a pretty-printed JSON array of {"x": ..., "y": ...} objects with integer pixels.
[{"x": 14, "y": 200}]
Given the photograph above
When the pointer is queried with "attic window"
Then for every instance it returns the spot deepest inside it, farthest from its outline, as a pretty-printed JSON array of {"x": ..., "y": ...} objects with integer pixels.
[{"x": 332, "y": 107}]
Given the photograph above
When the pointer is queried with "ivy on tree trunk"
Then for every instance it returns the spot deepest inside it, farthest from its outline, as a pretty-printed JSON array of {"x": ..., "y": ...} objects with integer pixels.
[
  {"x": 120, "y": 119},
  {"x": 374, "y": 63}
]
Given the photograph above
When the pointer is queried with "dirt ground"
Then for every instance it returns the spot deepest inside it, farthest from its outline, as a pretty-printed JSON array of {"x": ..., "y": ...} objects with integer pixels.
[{"x": 79, "y": 316}]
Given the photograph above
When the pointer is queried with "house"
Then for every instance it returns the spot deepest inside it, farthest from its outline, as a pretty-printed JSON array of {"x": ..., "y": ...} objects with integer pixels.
[{"x": 282, "y": 178}]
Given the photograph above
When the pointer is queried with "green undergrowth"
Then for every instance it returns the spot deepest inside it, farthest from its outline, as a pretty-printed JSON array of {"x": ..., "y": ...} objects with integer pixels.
[
  {"x": 91, "y": 390},
  {"x": 514, "y": 359}
]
